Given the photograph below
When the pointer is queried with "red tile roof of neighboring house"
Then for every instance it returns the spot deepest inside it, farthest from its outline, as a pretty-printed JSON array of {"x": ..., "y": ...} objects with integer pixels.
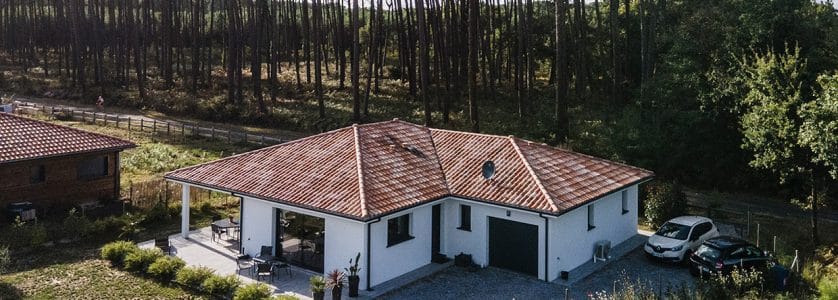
[
  {"x": 23, "y": 139},
  {"x": 365, "y": 171}
]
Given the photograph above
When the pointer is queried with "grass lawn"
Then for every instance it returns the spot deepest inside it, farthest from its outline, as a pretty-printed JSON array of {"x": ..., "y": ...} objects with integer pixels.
[{"x": 74, "y": 271}]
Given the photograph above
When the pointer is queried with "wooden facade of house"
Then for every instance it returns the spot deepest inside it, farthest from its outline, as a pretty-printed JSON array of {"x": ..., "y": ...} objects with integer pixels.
[{"x": 51, "y": 165}]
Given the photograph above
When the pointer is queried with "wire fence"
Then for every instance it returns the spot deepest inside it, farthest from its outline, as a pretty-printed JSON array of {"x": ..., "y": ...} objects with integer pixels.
[{"x": 170, "y": 129}]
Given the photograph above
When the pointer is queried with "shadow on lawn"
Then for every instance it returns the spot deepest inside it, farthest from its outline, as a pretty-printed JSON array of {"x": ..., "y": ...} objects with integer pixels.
[{"x": 9, "y": 291}]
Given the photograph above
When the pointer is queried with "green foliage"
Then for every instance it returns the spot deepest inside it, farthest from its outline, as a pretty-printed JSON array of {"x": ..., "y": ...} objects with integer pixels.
[
  {"x": 317, "y": 283},
  {"x": 285, "y": 297},
  {"x": 663, "y": 201},
  {"x": 75, "y": 225},
  {"x": 5, "y": 259},
  {"x": 220, "y": 285},
  {"x": 819, "y": 131},
  {"x": 116, "y": 252},
  {"x": 131, "y": 226},
  {"x": 254, "y": 291},
  {"x": 154, "y": 158},
  {"x": 353, "y": 268},
  {"x": 768, "y": 124},
  {"x": 739, "y": 283},
  {"x": 39, "y": 235},
  {"x": 193, "y": 277},
  {"x": 828, "y": 288},
  {"x": 139, "y": 261},
  {"x": 165, "y": 268}
]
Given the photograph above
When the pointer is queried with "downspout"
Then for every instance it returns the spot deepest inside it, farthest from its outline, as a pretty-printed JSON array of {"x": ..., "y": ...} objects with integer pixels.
[
  {"x": 546, "y": 247},
  {"x": 369, "y": 250},
  {"x": 241, "y": 225}
]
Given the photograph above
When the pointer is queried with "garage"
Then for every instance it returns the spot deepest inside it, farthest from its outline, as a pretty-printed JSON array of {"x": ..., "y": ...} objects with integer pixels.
[{"x": 513, "y": 246}]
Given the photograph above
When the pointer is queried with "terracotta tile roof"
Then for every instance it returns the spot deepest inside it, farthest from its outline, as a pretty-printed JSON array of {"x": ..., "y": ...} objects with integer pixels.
[
  {"x": 23, "y": 139},
  {"x": 365, "y": 171}
]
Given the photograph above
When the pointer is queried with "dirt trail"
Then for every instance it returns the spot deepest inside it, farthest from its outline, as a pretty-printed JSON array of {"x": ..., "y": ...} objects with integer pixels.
[{"x": 148, "y": 115}]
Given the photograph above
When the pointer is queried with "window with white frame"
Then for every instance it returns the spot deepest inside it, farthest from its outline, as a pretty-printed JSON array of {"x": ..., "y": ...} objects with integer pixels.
[
  {"x": 625, "y": 196},
  {"x": 591, "y": 217}
]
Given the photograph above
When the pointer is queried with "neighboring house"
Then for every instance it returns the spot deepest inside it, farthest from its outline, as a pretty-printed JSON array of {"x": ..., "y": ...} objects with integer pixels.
[
  {"x": 398, "y": 193},
  {"x": 56, "y": 166}
]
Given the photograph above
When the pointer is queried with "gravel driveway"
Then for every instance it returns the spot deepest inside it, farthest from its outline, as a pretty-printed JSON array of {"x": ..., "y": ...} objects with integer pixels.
[{"x": 493, "y": 283}]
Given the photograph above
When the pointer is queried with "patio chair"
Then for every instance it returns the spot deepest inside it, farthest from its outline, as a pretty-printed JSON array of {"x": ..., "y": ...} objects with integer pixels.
[
  {"x": 164, "y": 245},
  {"x": 264, "y": 269},
  {"x": 245, "y": 262},
  {"x": 217, "y": 231},
  {"x": 282, "y": 263},
  {"x": 266, "y": 251}
]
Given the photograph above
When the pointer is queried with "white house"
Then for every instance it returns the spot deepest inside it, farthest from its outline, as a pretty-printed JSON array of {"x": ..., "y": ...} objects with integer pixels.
[{"x": 399, "y": 193}]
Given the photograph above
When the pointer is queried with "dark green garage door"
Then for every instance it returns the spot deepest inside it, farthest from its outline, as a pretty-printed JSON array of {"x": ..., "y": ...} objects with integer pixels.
[{"x": 513, "y": 246}]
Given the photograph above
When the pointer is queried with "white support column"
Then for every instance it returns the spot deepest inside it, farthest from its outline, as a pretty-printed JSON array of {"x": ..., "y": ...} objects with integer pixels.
[{"x": 184, "y": 213}]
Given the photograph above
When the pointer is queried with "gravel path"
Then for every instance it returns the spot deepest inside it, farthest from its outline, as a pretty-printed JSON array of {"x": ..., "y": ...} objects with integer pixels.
[{"x": 493, "y": 283}]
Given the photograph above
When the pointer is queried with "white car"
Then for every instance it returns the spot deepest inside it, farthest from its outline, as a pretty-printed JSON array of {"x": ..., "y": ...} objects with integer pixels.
[{"x": 678, "y": 238}]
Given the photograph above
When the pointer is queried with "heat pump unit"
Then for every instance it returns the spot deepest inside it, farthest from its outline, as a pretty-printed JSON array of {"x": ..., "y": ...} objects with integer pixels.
[{"x": 602, "y": 250}]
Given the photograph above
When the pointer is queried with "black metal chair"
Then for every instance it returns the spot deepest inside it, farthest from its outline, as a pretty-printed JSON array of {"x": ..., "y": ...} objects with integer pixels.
[
  {"x": 282, "y": 263},
  {"x": 245, "y": 262},
  {"x": 266, "y": 251},
  {"x": 264, "y": 269},
  {"x": 217, "y": 231},
  {"x": 164, "y": 245}
]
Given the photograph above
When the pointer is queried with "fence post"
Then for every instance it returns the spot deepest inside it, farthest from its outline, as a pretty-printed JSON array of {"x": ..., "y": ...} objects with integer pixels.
[
  {"x": 213, "y": 132},
  {"x": 154, "y": 126},
  {"x": 757, "y": 234},
  {"x": 129, "y": 123},
  {"x": 229, "y": 135},
  {"x": 94, "y": 118},
  {"x": 774, "y": 246},
  {"x": 142, "y": 126},
  {"x": 182, "y": 130},
  {"x": 245, "y": 136},
  {"x": 263, "y": 140},
  {"x": 117, "y": 121},
  {"x": 748, "y": 231}
]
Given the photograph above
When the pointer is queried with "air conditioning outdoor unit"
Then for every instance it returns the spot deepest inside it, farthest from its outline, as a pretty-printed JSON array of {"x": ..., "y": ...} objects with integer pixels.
[{"x": 602, "y": 250}]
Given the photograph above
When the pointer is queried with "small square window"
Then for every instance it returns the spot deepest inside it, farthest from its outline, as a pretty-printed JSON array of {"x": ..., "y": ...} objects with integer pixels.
[
  {"x": 591, "y": 217},
  {"x": 398, "y": 230},
  {"x": 625, "y": 201},
  {"x": 465, "y": 217},
  {"x": 37, "y": 174}
]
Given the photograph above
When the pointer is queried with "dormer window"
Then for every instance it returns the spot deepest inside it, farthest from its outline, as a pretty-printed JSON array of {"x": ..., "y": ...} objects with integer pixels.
[{"x": 488, "y": 169}]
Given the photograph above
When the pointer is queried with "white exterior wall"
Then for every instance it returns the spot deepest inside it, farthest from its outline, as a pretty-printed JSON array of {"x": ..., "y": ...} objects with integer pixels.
[
  {"x": 390, "y": 262},
  {"x": 344, "y": 238},
  {"x": 572, "y": 244},
  {"x": 476, "y": 241}
]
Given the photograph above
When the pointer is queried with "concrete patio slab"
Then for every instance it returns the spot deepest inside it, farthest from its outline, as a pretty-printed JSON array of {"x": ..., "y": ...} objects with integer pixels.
[{"x": 220, "y": 256}]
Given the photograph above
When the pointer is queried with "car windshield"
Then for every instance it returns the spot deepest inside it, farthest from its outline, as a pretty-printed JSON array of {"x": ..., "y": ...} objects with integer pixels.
[
  {"x": 674, "y": 231},
  {"x": 708, "y": 252}
]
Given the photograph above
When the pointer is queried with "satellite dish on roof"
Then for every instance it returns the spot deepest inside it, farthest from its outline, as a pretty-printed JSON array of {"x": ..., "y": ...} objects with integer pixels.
[{"x": 488, "y": 169}]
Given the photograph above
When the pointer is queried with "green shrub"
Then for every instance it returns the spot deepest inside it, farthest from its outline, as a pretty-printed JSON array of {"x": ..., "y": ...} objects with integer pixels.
[
  {"x": 38, "y": 235},
  {"x": 255, "y": 291},
  {"x": 285, "y": 297},
  {"x": 106, "y": 228},
  {"x": 139, "y": 261},
  {"x": 220, "y": 285},
  {"x": 828, "y": 287},
  {"x": 664, "y": 201},
  {"x": 5, "y": 259},
  {"x": 165, "y": 269},
  {"x": 115, "y": 252},
  {"x": 193, "y": 277},
  {"x": 75, "y": 226}
]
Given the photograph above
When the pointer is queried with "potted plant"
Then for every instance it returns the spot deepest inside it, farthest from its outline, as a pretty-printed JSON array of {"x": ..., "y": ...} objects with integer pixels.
[
  {"x": 354, "y": 279},
  {"x": 318, "y": 287},
  {"x": 335, "y": 281}
]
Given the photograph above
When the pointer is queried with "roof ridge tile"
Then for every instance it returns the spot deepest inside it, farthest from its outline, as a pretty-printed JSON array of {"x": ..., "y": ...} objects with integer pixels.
[
  {"x": 537, "y": 180},
  {"x": 359, "y": 164}
]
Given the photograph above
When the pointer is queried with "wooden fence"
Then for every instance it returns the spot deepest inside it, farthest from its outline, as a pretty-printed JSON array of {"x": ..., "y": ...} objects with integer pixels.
[{"x": 169, "y": 129}]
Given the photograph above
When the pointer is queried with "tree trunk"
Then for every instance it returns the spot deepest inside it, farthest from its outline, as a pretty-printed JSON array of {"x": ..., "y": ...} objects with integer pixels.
[{"x": 473, "y": 15}]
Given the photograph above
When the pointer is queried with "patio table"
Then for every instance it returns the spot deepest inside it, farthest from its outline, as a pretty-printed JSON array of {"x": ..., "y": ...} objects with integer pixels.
[{"x": 227, "y": 224}]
